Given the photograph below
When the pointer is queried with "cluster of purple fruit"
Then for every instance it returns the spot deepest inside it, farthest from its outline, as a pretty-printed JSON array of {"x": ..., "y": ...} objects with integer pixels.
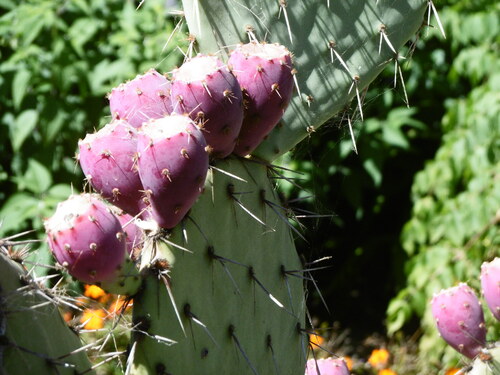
[
  {"x": 151, "y": 161},
  {"x": 458, "y": 313}
]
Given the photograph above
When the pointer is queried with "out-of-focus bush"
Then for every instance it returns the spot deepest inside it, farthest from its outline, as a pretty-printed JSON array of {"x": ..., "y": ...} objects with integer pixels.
[{"x": 455, "y": 219}]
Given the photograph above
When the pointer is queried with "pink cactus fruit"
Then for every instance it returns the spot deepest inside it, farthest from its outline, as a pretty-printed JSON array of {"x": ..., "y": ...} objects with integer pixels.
[
  {"x": 86, "y": 238},
  {"x": 490, "y": 283},
  {"x": 327, "y": 366},
  {"x": 145, "y": 97},
  {"x": 134, "y": 236},
  {"x": 265, "y": 74},
  {"x": 459, "y": 319},
  {"x": 109, "y": 161},
  {"x": 173, "y": 164},
  {"x": 204, "y": 88}
]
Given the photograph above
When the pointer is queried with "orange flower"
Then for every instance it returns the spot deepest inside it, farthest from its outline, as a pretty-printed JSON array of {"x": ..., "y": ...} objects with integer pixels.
[
  {"x": 67, "y": 316},
  {"x": 379, "y": 358},
  {"x": 387, "y": 371},
  {"x": 94, "y": 292},
  {"x": 117, "y": 306},
  {"x": 316, "y": 340},
  {"x": 93, "y": 318},
  {"x": 348, "y": 362},
  {"x": 452, "y": 371}
]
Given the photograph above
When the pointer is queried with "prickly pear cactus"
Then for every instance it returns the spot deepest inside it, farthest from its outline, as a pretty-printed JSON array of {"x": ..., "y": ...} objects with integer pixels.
[
  {"x": 29, "y": 326},
  {"x": 233, "y": 305}
]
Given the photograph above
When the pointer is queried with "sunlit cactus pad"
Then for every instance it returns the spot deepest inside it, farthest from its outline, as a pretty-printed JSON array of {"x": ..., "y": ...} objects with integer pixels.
[{"x": 246, "y": 330}]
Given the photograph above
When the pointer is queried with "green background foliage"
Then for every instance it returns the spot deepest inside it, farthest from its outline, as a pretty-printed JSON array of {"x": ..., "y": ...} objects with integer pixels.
[{"x": 416, "y": 210}]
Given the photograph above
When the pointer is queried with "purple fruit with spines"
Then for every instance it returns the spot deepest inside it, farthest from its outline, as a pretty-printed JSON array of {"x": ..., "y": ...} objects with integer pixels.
[
  {"x": 327, "y": 366},
  {"x": 173, "y": 164},
  {"x": 134, "y": 236},
  {"x": 265, "y": 74},
  {"x": 459, "y": 319},
  {"x": 205, "y": 88},
  {"x": 145, "y": 97},
  {"x": 109, "y": 161},
  {"x": 86, "y": 238},
  {"x": 490, "y": 284}
]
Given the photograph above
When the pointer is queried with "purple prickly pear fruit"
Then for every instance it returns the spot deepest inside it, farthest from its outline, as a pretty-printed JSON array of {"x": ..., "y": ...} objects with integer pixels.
[
  {"x": 145, "y": 97},
  {"x": 86, "y": 238},
  {"x": 459, "y": 319},
  {"x": 327, "y": 366},
  {"x": 173, "y": 164},
  {"x": 490, "y": 283},
  {"x": 265, "y": 74},
  {"x": 204, "y": 88},
  {"x": 133, "y": 234},
  {"x": 109, "y": 161}
]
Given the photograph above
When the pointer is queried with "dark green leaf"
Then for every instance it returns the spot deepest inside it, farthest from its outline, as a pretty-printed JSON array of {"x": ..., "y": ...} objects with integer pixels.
[
  {"x": 23, "y": 126},
  {"x": 19, "y": 86}
]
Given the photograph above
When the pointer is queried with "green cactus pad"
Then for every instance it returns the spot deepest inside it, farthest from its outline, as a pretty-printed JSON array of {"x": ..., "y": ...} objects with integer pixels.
[
  {"x": 236, "y": 262},
  {"x": 310, "y": 29},
  {"x": 35, "y": 338}
]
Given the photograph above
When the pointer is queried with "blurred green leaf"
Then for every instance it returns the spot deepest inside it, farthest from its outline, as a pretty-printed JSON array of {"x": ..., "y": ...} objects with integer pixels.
[
  {"x": 37, "y": 178},
  {"x": 19, "y": 86},
  {"x": 16, "y": 210},
  {"x": 81, "y": 31},
  {"x": 22, "y": 127}
]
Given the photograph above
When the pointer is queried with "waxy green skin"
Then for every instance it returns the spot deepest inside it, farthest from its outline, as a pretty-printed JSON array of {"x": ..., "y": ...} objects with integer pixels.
[
  {"x": 40, "y": 330},
  {"x": 200, "y": 281}
]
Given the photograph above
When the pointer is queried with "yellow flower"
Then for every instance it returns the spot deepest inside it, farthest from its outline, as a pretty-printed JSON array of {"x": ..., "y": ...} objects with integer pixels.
[
  {"x": 93, "y": 318},
  {"x": 387, "y": 371},
  {"x": 118, "y": 306},
  {"x": 67, "y": 316},
  {"x": 348, "y": 362},
  {"x": 379, "y": 358},
  {"x": 94, "y": 292},
  {"x": 316, "y": 340},
  {"x": 452, "y": 371}
]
